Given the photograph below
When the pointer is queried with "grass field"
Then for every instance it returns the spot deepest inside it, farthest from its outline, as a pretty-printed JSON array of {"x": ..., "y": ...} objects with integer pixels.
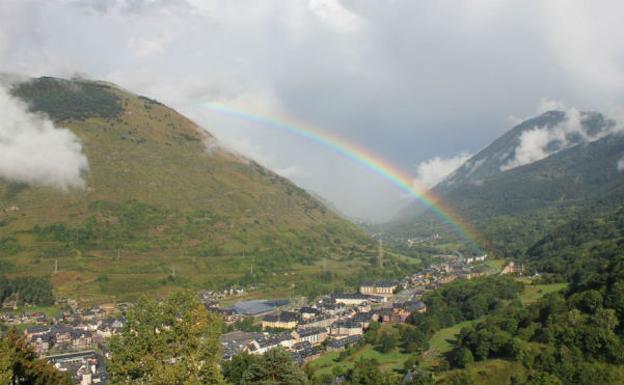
[
  {"x": 496, "y": 264},
  {"x": 439, "y": 342},
  {"x": 49, "y": 311},
  {"x": 532, "y": 293},
  {"x": 490, "y": 372},
  {"x": 387, "y": 361}
]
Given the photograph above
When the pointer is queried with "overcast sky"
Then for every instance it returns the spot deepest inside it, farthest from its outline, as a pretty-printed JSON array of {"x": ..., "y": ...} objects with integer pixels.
[{"x": 420, "y": 83}]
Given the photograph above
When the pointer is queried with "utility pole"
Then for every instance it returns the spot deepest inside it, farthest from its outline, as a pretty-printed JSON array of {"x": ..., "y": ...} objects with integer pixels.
[
  {"x": 173, "y": 273},
  {"x": 381, "y": 253},
  {"x": 56, "y": 266}
]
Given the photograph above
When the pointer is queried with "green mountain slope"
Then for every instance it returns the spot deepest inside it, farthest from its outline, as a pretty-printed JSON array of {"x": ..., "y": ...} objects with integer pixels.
[
  {"x": 579, "y": 246},
  {"x": 514, "y": 208},
  {"x": 572, "y": 336},
  {"x": 163, "y": 205}
]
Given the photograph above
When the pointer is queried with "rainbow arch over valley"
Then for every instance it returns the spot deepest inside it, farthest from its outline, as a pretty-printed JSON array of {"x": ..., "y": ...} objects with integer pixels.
[{"x": 366, "y": 158}]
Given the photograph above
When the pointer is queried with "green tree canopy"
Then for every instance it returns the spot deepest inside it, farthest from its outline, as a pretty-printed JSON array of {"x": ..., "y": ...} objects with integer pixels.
[
  {"x": 19, "y": 364},
  {"x": 172, "y": 342},
  {"x": 275, "y": 367}
]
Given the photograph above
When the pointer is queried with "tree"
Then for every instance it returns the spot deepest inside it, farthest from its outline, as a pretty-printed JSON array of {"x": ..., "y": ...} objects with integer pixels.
[
  {"x": 275, "y": 367},
  {"x": 460, "y": 378},
  {"x": 419, "y": 377},
  {"x": 366, "y": 372},
  {"x": 460, "y": 357},
  {"x": 413, "y": 340},
  {"x": 6, "y": 370},
  {"x": 541, "y": 378},
  {"x": 386, "y": 343},
  {"x": 411, "y": 363},
  {"x": 278, "y": 368},
  {"x": 173, "y": 342},
  {"x": 240, "y": 370},
  {"x": 21, "y": 366}
]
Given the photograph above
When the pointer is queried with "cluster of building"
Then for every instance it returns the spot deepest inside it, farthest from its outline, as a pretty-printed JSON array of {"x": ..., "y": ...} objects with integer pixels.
[
  {"x": 332, "y": 323},
  {"x": 46, "y": 339},
  {"x": 84, "y": 367},
  {"x": 449, "y": 269},
  {"x": 339, "y": 320},
  {"x": 73, "y": 341},
  {"x": 76, "y": 340}
]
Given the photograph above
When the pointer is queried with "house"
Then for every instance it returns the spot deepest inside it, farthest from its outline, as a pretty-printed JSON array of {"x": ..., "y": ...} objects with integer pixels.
[
  {"x": 283, "y": 320},
  {"x": 270, "y": 341},
  {"x": 379, "y": 288},
  {"x": 314, "y": 336},
  {"x": 307, "y": 312},
  {"x": 350, "y": 299},
  {"x": 323, "y": 321},
  {"x": 335, "y": 344},
  {"x": 108, "y": 309},
  {"x": 513, "y": 268},
  {"x": 303, "y": 352},
  {"x": 228, "y": 315},
  {"x": 35, "y": 331},
  {"x": 335, "y": 309},
  {"x": 364, "y": 307},
  {"x": 447, "y": 279},
  {"x": 109, "y": 328},
  {"x": 345, "y": 328},
  {"x": 475, "y": 258},
  {"x": 363, "y": 319},
  {"x": 389, "y": 315},
  {"x": 234, "y": 343},
  {"x": 415, "y": 307},
  {"x": 41, "y": 344},
  {"x": 84, "y": 368},
  {"x": 81, "y": 339}
]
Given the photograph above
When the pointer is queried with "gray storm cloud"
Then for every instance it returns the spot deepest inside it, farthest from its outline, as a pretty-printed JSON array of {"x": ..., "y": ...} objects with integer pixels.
[
  {"x": 407, "y": 80},
  {"x": 34, "y": 151}
]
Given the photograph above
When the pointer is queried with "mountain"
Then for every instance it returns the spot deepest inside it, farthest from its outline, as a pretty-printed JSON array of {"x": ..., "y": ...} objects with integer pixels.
[
  {"x": 537, "y": 176},
  {"x": 547, "y": 134},
  {"x": 579, "y": 246},
  {"x": 162, "y": 205}
]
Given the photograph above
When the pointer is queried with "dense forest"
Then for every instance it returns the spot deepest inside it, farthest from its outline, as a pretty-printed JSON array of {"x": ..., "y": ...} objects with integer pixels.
[
  {"x": 27, "y": 290},
  {"x": 464, "y": 300},
  {"x": 569, "y": 337}
]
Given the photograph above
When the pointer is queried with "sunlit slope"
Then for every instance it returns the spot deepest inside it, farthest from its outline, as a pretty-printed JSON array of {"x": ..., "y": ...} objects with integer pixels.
[{"x": 159, "y": 193}]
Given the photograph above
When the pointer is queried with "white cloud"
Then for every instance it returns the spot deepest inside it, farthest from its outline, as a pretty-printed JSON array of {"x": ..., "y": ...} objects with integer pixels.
[
  {"x": 34, "y": 151},
  {"x": 542, "y": 141},
  {"x": 620, "y": 165},
  {"x": 546, "y": 105},
  {"x": 144, "y": 47},
  {"x": 334, "y": 14},
  {"x": 381, "y": 73},
  {"x": 289, "y": 172},
  {"x": 433, "y": 171}
]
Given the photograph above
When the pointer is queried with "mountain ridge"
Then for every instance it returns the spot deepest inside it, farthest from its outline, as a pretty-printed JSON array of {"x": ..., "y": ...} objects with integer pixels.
[
  {"x": 516, "y": 206},
  {"x": 159, "y": 193}
]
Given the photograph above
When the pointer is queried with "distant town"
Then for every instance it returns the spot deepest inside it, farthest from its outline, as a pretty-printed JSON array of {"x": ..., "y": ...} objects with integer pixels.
[{"x": 76, "y": 340}]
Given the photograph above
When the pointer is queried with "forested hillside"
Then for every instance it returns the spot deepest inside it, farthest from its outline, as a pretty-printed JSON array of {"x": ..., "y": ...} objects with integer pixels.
[
  {"x": 569, "y": 337},
  {"x": 515, "y": 207}
]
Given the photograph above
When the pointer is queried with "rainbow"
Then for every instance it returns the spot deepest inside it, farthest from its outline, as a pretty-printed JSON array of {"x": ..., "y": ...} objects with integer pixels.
[{"x": 366, "y": 158}]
